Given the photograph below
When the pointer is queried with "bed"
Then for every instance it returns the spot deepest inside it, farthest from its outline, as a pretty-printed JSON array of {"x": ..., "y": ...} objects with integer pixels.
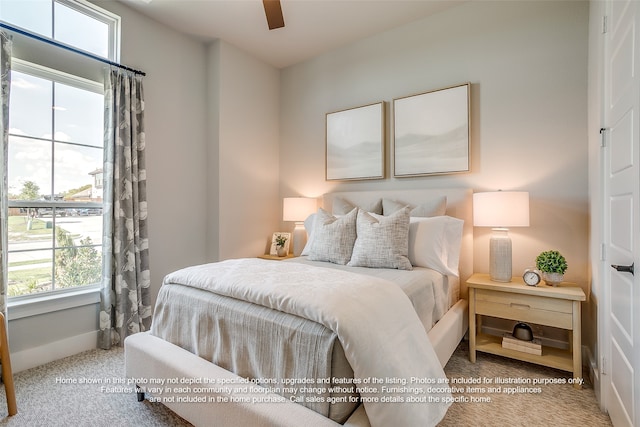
[{"x": 172, "y": 362}]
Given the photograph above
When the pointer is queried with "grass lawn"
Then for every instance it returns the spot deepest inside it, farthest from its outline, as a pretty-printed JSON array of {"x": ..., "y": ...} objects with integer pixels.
[
  {"x": 29, "y": 262},
  {"x": 39, "y": 274},
  {"x": 18, "y": 228},
  {"x": 28, "y": 276},
  {"x": 23, "y": 281}
]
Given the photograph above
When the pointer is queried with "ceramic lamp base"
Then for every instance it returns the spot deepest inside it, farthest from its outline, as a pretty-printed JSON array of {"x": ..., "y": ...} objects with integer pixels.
[
  {"x": 299, "y": 238},
  {"x": 500, "y": 255}
]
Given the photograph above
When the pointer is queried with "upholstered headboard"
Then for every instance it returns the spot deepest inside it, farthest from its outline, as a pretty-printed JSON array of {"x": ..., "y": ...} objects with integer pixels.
[{"x": 458, "y": 206}]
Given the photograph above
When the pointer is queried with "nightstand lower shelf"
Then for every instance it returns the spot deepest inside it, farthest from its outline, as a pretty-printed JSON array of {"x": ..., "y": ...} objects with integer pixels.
[{"x": 552, "y": 357}]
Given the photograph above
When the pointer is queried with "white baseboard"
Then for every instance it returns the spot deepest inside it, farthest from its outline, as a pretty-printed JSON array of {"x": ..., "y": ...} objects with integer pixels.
[
  {"x": 32, "y": 357},
  {"x": 594, "y": 373}
]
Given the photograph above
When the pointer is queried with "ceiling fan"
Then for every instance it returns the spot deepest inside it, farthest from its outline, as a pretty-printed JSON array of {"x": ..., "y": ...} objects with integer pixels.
[{"x": 273, "y": 11}]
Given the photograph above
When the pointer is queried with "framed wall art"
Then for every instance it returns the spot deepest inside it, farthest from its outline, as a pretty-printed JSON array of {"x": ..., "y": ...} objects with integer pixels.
[
  {"x": 355, "y": 143},
  {"x": 431, "y": 132}
]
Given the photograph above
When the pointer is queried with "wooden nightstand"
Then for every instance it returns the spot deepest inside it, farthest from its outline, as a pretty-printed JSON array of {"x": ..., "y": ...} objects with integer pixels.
[
  {"x": 275, "y": 257},
  {"x": 543, "y": 305}
]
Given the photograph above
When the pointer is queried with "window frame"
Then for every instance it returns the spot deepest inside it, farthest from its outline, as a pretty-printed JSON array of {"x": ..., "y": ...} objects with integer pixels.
[
  {"x": 85, "y": 74},
  {"x": 80, "y": 83},
  {"x": 84, "y": 7},
  {"x": 112, "y": 20}
]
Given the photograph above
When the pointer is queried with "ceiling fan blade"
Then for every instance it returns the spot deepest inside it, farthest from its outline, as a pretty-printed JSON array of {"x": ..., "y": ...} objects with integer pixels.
[{"x": 273, "y": 10}]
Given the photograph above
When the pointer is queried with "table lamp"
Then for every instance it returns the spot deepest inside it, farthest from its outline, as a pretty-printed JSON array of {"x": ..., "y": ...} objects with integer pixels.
[
  {"x": 500, "y": 210},
  {"x": 297, "y": 209}
]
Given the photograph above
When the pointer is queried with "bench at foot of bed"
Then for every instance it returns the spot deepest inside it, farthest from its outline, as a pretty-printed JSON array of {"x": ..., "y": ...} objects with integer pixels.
[{"x": 150, "y": 358}]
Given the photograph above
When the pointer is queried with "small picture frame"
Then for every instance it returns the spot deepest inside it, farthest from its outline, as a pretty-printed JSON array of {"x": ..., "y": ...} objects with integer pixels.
[{"x": 274, "y": 250}]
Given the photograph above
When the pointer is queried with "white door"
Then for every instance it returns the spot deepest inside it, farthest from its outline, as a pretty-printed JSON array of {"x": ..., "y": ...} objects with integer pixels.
[{"x": 621, "y": 323}]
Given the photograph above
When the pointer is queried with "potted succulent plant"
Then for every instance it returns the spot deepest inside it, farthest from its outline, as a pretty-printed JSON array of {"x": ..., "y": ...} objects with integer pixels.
[
  {"x": 552, "y": 265},
  {"x": 281, "y": 240}
]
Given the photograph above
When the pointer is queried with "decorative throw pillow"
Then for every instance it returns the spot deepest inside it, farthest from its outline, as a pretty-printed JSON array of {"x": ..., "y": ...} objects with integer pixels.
[
  {"x": 333, "y": 237},
  {"x": 382, "y": 242},
  {"x": 434, "y": 207},
  {"x": 342, "y": 206},
  {"x": 435, "y": 243}
]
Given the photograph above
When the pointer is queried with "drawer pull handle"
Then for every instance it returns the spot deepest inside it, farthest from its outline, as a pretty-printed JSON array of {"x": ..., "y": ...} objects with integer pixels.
[{"x": 523, "y": 306}]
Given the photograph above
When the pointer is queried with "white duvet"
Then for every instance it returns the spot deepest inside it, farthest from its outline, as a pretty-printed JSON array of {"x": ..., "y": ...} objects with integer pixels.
[{"x": 401, "y": 380}]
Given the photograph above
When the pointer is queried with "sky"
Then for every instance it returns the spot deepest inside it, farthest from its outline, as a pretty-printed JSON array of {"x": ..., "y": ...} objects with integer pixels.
[
  {"x": 76, "y": 117},
  {"x": 70, "y": 26}
]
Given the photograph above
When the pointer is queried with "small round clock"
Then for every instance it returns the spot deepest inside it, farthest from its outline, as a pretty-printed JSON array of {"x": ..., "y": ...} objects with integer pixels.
[{"x": 531, "y": 277}]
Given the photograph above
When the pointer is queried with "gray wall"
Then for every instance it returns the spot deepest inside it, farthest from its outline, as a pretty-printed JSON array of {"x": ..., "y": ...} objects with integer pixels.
[
  {"x": 246, "y": 160},
  {"x": 527, "y": 64}
]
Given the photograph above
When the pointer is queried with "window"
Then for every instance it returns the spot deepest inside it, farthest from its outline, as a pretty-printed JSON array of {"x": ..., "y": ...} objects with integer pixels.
[
  {"x": 72, "y": 22},
  {"x": 55, "y": 153},
  {"x": 55, "y": 206}
]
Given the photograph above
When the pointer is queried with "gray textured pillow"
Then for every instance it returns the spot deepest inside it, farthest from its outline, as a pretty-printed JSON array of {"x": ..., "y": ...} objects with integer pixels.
[
  {"x": 333, "y": 237},
  {"x": 383, "y": 242},
  {"x": 342, "y": 206},
  {"x": 434, "y": 207}
]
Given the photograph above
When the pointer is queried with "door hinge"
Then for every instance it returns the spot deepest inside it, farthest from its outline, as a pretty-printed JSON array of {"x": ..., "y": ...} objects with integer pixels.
[
  {"x": 603, "y": 141},
  {"x": 603, "y": 252},
  {"x": 604, "y": 24},
  {"x": 602, "y": 366}
]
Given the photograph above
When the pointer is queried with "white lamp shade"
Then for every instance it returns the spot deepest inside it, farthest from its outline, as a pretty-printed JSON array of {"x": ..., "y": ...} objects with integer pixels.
[
  {"x": 298, "y": 208},
  {"x": 501, "y": 209}
]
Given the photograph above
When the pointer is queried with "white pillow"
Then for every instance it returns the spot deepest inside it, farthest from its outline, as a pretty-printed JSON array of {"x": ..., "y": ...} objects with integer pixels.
[
  {"x": 382, "y": 241},
  {"x": 333, "y": 237},
  {"x": 308, "y": 225},
  {"x": 435, "y": 243},
  {"x": 435, "y": 207},
  {"x": 342, "y": 206}
]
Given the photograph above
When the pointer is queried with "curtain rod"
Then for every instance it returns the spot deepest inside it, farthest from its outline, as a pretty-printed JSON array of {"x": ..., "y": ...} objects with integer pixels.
[{"x": 69, "y": 48}]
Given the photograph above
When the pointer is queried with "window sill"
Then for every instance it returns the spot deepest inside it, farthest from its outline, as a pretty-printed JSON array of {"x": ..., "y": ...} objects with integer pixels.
[{"x": 53, "y": 302}]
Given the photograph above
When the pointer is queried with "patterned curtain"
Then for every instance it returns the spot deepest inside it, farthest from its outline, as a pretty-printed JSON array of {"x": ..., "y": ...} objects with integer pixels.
[
  {"x": 125, "y": 306},
  {"x": 5, "y": 86}
]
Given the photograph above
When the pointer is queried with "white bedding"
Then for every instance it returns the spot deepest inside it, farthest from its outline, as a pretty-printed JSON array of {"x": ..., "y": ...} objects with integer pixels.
[
  {"x": 323, "y": 295},
  {"x": 430, "y": 292}
]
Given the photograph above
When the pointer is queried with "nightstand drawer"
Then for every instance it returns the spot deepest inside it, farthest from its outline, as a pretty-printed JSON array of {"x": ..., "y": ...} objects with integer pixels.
[{"x": 525, "y": 308}]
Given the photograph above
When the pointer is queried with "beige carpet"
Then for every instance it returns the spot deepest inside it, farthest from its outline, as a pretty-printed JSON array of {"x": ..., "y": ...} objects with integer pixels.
[
  {"x": 52, "y": 395},
  {"x": 554, "y": 405},
  {"x": 47, "y": 396}
]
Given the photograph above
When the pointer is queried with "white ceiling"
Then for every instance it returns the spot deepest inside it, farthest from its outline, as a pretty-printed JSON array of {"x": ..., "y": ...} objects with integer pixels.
[{"x": 311, "y": 26}]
